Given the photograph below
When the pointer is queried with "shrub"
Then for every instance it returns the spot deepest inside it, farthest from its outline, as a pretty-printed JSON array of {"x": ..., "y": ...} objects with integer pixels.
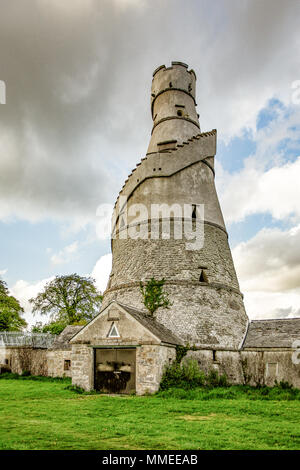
[{"x": 188, "y": 376}]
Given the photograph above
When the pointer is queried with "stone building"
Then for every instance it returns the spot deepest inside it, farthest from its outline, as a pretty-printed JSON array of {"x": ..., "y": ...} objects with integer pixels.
[
  {"x": 59, "y": 362},
  {"x": 37, "y": 353},
  {"x": 166, "y": 201}
]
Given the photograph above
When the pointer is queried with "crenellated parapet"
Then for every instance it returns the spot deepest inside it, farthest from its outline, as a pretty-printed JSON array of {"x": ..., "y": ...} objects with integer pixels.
[{"x": 201, "y": 147}]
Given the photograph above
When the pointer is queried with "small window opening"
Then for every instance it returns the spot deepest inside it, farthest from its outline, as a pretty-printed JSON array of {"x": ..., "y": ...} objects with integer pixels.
[
  {"x": 67, "y": 364},
  {"x": 179, "y": 113},
  {"x": 194, "y": 211},
  {"x": 170, "y": 85},
  {"x": 203, "y": 276},
  {"x": 214, "y": 355},
  {"x": 190, "y": 87},
  {"x": 113, "y": 332}
]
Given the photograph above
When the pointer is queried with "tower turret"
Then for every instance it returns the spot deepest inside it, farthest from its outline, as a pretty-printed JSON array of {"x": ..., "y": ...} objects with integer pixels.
[
  {"x": 173, "y": 106},
  {"x": 178, "y": 172}
]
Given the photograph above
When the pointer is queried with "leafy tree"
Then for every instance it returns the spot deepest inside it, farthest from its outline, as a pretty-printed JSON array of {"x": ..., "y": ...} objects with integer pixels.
[
  {"x": 154, "y": 295},
  {"x": 68, "y": 299},
  {"x": 55, "y": 327},
  {"x": 10, "y": 311}
]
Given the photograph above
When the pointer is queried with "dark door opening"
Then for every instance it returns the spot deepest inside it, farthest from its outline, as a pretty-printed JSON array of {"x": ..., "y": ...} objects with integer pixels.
[{"x": 115, "y": 370}]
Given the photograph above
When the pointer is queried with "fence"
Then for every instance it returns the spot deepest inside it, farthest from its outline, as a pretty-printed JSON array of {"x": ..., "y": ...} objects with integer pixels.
[{"x": 35, "y": 340}]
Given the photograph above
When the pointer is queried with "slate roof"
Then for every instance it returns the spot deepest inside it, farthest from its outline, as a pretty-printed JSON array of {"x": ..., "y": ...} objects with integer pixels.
[
  {"x": 279, "y": 333},
  {"x": 62, "y": 340},
  {"x": 159, "y": 330}
]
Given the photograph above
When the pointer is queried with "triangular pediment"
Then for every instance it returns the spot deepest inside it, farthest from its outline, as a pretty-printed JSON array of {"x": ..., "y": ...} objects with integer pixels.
[{"x": 119, "y": 324}]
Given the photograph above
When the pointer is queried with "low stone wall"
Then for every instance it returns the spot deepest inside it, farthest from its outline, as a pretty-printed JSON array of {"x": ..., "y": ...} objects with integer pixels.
[
  {"x": 37, "y": 361},
  {"x": 21, "y": 359},
  {"x": 267, "y": 366},
  {"x": 250, "y": 367},
  {"x": 224, "y": 362}
]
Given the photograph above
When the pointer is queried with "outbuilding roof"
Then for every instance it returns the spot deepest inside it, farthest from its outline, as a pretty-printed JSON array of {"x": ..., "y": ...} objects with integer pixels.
[
  {"x": 62, "y": 340},
  {"x": 278, "y": 333},
  {"x": 159, "y": 330},
  {"x": 146, "y": 320}
]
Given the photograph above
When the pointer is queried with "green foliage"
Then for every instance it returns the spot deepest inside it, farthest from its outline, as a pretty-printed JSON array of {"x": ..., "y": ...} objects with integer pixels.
[
  {"x": 284, "y": 385},
  {"x": 154, "y": 296},
  {"x": 181, "y": 351},
  {"x": 10, "y": 311},
  {"x": 189, "y": 376},
  {"x": 55, "y": 327},
  {"x": 68, "y": 299}
]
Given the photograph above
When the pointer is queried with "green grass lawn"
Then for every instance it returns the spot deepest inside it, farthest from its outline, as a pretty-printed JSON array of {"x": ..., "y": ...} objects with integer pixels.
[{"x": 45, "y": 415}]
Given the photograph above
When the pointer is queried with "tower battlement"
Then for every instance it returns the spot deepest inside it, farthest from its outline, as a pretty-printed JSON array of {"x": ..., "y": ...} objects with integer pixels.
[
  {"x": 173, "y": 105},
  {"x": 177, "y": 75}
]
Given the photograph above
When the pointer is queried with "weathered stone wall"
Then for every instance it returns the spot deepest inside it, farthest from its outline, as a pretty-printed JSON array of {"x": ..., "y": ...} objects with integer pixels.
[
  {"x": 224, "y": 362},
  {"x": 56, "y": 363},
  {"x": 20, "y": 359},
  {"x": 256, "y": 367},
  {"x": 267, "y": 366},
  {"x": 37, "y": 361},
  {"x": 83, "y": 366},
  {"x": 150, "y": 363}
]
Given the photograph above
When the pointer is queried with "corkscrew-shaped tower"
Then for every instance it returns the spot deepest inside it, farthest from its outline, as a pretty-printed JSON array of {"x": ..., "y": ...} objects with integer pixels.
[{"x": 178, "y": 170}]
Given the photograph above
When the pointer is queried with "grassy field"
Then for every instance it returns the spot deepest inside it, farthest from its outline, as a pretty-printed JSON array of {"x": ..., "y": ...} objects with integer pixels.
[{"x": 36, "y": 414}]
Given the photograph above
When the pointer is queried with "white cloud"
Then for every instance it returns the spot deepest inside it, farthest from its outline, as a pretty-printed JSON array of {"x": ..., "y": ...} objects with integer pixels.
[
  {"x": 261, "y": 305},
  {"x": 270, "y": 261},
  {"x": 77, "y": 115},
  {"x": 253, "y": 191},
  {"x": 65, "y": 255},
  {"x": 23, "y": 291},
  {"x": 268, "y": 268},
  {"x": 101, "y": 271},
  {"x": 267, "y": 183}
]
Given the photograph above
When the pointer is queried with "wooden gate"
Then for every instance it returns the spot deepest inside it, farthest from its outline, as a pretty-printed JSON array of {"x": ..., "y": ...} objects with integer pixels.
[{"x": 115, "y": 370}]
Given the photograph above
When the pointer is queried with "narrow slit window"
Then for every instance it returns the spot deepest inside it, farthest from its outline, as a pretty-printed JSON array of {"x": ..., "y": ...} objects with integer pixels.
[
  {"x": 194, "y": 211},
  {"x": 67, "y": 364},
  {"x": 203, "y": 276},
  {"x": 113, "y": 332}
]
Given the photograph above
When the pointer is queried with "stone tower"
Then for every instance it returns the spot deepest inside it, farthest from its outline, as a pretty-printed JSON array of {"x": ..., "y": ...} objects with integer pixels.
[{"x": 178, "y": 172}]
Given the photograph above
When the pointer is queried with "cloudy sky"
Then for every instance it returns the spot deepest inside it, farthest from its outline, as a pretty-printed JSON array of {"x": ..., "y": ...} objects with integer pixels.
[{"x": 77, "y": 119}]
